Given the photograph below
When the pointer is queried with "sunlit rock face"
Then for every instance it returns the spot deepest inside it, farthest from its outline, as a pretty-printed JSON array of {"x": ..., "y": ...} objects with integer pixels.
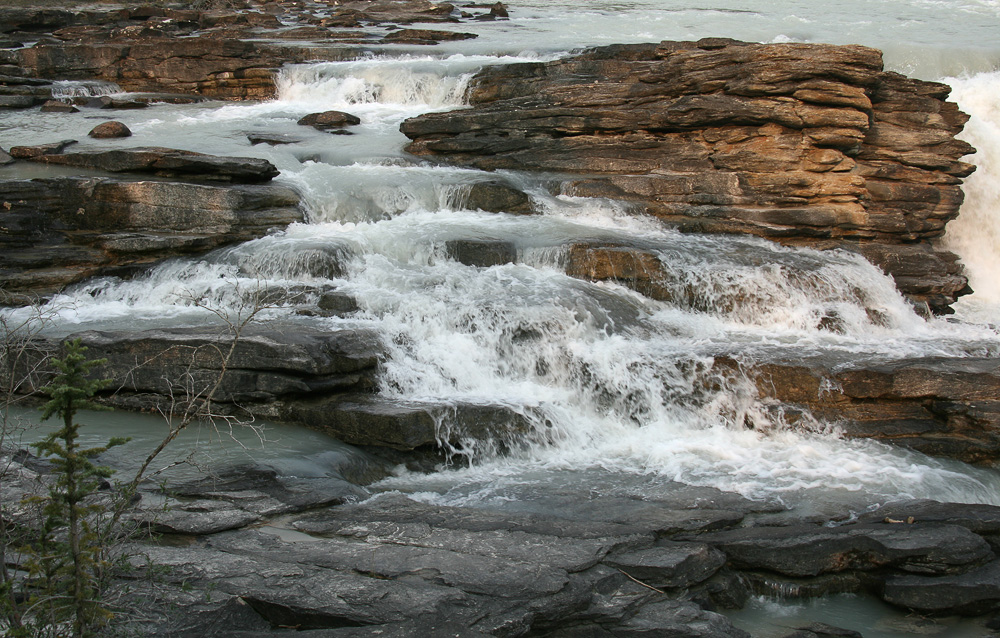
[{"x": 800, "y": 143}]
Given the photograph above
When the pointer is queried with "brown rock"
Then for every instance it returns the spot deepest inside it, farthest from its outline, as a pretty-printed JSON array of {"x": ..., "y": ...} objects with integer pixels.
[
  {"x": 803, "y": 144},
  {"x": 110, "y": 130},
  {"x": 60, "y": 231},
  {"x": 939, "y": 406},
  {"x": 425, "y": 36},
  {"x": 58, "y": 106},
  {"x": 163, "y": 162},
  {"x": 33, "y": 152},
  {"x": 329, "y": 120}
]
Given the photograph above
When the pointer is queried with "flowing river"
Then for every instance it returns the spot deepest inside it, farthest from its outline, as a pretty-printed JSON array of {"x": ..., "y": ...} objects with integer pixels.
[{"x": 617, "y": 385}]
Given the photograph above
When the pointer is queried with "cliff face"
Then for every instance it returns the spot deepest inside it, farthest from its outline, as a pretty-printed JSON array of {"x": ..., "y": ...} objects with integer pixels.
[{"x": 803, "y": 144}]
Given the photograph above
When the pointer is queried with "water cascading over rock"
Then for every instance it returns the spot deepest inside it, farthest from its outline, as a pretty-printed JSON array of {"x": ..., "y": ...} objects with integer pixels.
[{"x": 804, "y": 144}]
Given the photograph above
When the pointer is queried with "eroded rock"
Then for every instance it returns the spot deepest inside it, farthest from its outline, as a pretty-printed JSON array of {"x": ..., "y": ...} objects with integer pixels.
[{"x": 803, "y": 144}]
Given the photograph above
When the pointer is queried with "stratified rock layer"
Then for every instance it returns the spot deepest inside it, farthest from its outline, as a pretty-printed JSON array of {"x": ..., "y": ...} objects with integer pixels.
[
  {"x": 63, "y": 230},
  {"x": 803, "y": 144}
]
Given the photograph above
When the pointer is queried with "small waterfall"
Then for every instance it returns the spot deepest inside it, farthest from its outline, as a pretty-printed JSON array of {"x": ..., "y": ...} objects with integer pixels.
[
  {"x": 378, "y": 81},
  {"x": 975, "y": 234},
  {"x": 64, "y": 89}
]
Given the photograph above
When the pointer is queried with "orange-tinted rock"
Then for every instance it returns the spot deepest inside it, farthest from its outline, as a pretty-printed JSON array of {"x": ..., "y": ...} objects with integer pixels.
[
  {"x": 111, "y": 129},
  {"x": 803, "y": 144}
]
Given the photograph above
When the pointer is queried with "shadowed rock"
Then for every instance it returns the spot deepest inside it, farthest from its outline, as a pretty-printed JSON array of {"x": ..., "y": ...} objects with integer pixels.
[
  {"x": 972, "y": 593},
  {"x": 482, "y": 253},
  {"x": 329, "y": 120}
]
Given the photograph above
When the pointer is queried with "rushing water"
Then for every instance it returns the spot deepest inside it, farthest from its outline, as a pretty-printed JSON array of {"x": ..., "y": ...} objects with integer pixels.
[{"x": 619, "y": 387}]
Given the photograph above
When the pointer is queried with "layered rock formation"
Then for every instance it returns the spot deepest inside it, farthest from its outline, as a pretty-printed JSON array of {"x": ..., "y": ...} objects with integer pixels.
[
  {"x": 219, "y": 54},
  {"x": 62, "y": 230},
  {"x": 803, "y": 144}
]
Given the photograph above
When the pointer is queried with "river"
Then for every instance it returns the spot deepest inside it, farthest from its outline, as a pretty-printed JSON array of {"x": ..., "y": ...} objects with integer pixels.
[{"x": 615, "y": 384}]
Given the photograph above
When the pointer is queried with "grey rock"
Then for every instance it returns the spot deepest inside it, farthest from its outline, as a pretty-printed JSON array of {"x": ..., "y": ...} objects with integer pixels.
[
  {"x": 397, "y": 508},
  {"x": 975, "y": 592},
  {"x": 408, "y": 425},
  {"x": 399, "y": 555},
  {"x": 482, "y": 253},
  {"x": 271, "y": 139},
  {"x": 19, "y": 101},
  {"x": 267, "y": 363},
  {"x": 802, "y": 550},
  {"x": 302, "y": 595},
  {"x": 823, "y": 630},
  {"x": 669, "y": 564}
]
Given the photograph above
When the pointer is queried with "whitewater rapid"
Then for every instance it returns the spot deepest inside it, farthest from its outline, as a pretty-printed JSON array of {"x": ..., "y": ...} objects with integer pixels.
[{"x": 620, "y": 389}]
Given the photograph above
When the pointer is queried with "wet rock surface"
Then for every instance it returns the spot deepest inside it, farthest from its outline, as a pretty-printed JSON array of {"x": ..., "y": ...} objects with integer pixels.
[
  {"x": 941, "y": 406},
  {"x": 63, "y": 230},
  {"x": 161, "y": 162},
  {"x": 251, "y": 549},
  {"x": 223, "y": 52},
  {"x": 803, "y": 144}
]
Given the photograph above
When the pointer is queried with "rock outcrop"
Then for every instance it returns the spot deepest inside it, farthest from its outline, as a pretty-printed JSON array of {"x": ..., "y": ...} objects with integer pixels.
[
  {"x": 940, "y": 406},
  {"x": 218, "y": 54},
  {"x": 63, "y": 230},
  {"x": 803, "y": 144}
]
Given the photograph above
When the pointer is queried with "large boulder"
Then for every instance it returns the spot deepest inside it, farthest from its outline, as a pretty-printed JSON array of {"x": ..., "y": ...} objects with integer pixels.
[{"x": 803, "y": 144}]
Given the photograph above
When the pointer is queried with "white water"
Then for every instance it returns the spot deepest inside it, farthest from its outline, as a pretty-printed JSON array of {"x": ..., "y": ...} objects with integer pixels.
[{"x": 619, "y": 388}]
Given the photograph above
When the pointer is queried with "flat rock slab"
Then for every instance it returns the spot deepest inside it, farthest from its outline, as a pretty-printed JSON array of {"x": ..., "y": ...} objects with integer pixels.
[
  {"x": 162, "y": 162},
  {"x": 397, "y": 508},
  {"x": 291, "y": 594},
  {"x": 801, "y": 550},
  {"x": 975, "y": 592},
  {"x": 665, "y": 619},
  {"x": 268, "y": 361},
  {"x": 669, "y": 565},
  {"x": 396, "y": 557},
  {"x": 981, "y": 519}
]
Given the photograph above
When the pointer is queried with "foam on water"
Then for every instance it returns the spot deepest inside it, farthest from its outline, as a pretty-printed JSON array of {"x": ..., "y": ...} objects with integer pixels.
[
  {"x": 613, "y": 384},
  {"x": 63, "y": 89},
  {"x": 975, "y": 234}
]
